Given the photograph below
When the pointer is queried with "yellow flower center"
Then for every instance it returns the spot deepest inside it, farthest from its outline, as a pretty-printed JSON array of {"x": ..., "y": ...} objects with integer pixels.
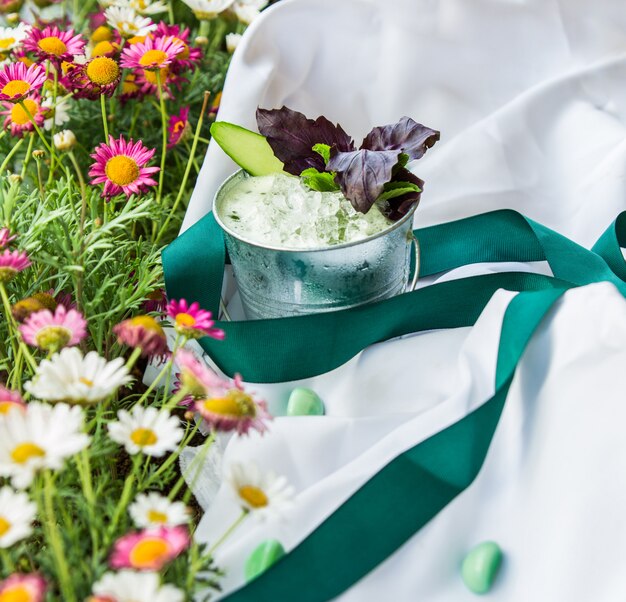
[
  {"x": 16, "y": 87},
  {"x": 128, "y": 85},
  {"x": 85, "y": 381},
  {"x": 102, "y": 34},
  {"x": 253, "y": 496},
  {"x": 6, "y": 43},
  {"x": 17, "y": 593},
  {"x": 53, "y": 337},
  {"x": 126, "y": 27},
  {"x": 52, "y": 45},
  {"x": 152, "y": 77},
  {"x": 103, "y": 71},
  {"x": 5, "y": 525},
  {"x": 147, "y": 552},
  {"x": 24, "y": 59},
  {"x": 184, "y": 53},
  {"x": 7, "y": 406},
  {"x": 102, "y": 48},
  {"x": 137, "y": 40},
  {"x": 153, "y": 58},
  {"x": 148, "y": 323},
  {"x": 25, "y": 451},
  {"x": 154, "y": 516},
  {"x": 143, "y": 437},
  {"x": 122, "y": 170},
  {"x": 185, "y": 320},
  {"x": 234, "y": 403},
  {"x": 19, "y": 116}
]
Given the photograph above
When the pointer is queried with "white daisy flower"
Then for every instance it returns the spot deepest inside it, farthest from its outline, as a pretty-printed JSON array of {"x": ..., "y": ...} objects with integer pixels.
[
  {"x": 248, "y": 10},
  {"x": 41, "y": 437},
  {"x": 144, "y": 7},
  {"x": 146, "y": 430},
  {"x": 17, "y": 514},
  {"x": 127, "y": 22},
  {"x": 261, "y": 494},
  {"x": 64, "y": 140},
  {"x": 55, "y": 114},
  {"x": 134, "y": 586},
  {"x": 12, "y": 37},
  {"x": 206, "y": 10},
  {"x": 232, "y": 41},
  {"x": 154, "y": 510},
  {"x": 70, "y": 377}
]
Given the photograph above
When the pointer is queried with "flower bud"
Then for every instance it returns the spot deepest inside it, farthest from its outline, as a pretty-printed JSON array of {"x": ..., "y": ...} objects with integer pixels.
[
  {"x": 38, "y": 154},
  {"x": 232, "y": 41},
  {"x": 201, "y": 41},
  {"x": 65, "y": 140}
]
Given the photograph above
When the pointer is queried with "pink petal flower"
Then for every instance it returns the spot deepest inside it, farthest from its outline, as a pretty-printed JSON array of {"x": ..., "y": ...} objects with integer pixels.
[
  {"x": 153, "y": 54},
  {"x": 6, "y": 238},
  {"x": 28, "y": 587},
  {"x": 52, "y": 332},
  {"x": 10, "y": 400},
  {"x": 191, "y": 321},
  {"x": 11, "y": 263},
  {"x": 145, "y": 333},
  {"x": 18, "y": 81},
  {"x": 53, "y": 44}
]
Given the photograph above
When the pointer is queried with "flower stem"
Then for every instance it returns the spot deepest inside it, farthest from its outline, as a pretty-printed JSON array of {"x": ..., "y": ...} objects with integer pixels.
[
  {"x": 11, "y": 320},
  {"x": 126, "y": 494},
  {"x": 227, "y": 533},
  {"x": 54, "y": 538},
  {"x": 9, "y": 156},
  {"x": 29, "y": 150},
  {"x": 192, "y": 154},
  {"x": 164, "y": 134},
  {"x": 37, "y": 129},
  {"x": 7, "y": 562},
  {"x": 105, "y": 123},
  {"x": 134, "y": 356}
]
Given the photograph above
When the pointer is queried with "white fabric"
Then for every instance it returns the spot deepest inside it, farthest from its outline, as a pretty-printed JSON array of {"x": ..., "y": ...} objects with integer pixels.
[{"x": 531, "y": 101}]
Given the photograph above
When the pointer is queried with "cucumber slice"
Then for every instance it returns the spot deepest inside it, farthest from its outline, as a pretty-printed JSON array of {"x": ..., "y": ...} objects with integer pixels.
[{"x": 248, "y": 149}]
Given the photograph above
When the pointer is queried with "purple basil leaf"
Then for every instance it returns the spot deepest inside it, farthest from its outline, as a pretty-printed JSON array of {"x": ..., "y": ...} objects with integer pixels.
[
  {"x": 406, "y": 135},
  {"x": 292, "y": 137},
  {"x": 362, "y": 175},
  {"x": 399, "y": 206}
]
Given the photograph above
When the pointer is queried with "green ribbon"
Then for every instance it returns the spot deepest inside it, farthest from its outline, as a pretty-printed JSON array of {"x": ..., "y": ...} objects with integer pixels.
[{"x": 412, "y": 488}]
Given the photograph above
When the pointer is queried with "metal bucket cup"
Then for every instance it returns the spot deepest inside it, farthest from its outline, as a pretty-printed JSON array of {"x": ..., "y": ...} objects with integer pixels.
[{"x": 277, "y": 282}]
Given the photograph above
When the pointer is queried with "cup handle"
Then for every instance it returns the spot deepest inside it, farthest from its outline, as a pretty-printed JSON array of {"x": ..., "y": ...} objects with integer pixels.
[{"x": 416, "y": 273}]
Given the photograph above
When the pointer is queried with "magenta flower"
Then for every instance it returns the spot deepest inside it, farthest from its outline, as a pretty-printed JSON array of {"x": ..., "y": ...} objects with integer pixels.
[
  {"x": 149, "y": 550},
  {"x": 151, "y": 55},
  {"x": 121, "y": 166},
  {"x": 198, "y": 378},
  {"x": 11, "y": 263},
  {"x": 53, "y": 44},
  {"x": 29, "y": 587},
  {"x": 190, "y": 55},
  {"x": 145, "y": 333},
  {"x": 17, "y": 81},
  {"x": 18, "y": 116},
  {"x": 6, "y": 238},
  {"x": 53, "y": 331},
  {"x": 191, "y": 321},
  {"x": 235, "y": 410},
  {"x": 179, "y": 127},
  {"x": 155, "y": 301},
  {"x": 99, "y": 76},
  {"x": 10, "y": 400}
]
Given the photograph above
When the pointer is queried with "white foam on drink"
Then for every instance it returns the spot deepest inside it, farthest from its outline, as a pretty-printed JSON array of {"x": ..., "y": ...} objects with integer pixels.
[{"x": 279, "y": 211}]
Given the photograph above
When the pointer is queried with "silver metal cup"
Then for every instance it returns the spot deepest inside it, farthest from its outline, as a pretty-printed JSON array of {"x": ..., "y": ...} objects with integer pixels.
[{"x": 276, "y": 282}]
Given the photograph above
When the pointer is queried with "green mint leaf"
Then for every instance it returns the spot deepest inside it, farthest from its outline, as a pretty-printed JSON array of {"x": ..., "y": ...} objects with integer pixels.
[
  {"x": 323, "y": 150},
  {"x": 322, "y": 181},
  {"x": 393, "y": 190}
]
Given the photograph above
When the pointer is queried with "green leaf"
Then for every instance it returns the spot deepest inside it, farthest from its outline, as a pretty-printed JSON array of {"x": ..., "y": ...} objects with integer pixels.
[
  {"x": 321, "y": 181},
  {"x": 396, "y": 189},
  {"x": 323, "y": 150}
]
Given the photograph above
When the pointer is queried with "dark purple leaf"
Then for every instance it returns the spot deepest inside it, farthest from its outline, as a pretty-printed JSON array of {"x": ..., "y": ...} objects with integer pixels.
[
  {"x": 362, "y": 175},
  {"x": 399, "y": 206},
  {"x": 292, "y": 137},
  {"x": 406, "y": 135}
]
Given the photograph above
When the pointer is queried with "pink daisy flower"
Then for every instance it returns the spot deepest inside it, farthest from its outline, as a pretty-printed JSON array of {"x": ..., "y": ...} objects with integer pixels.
[
  {"x": 153, "y": 54},
  {"x": 145, "y": 333},
  {"x": 190, "y": 56},
  {"x": 17, "y": 81},
  {"x": 235, "y": 410},
  {"x": 121, "y": 166},
  {"x": 191, "y": 321},
  {"x": 53, "y": 44},
  {"x": 99, "y": 76},
  {"x": 5, "y": 238},
  {"x": 198, "y": 378},
  {"x": 10, "y": 400},
  {"x": 149, "y": 550},
  {"x": 23, "y": 587},
  {"x": 156, "y": 301},
  {"x": 17, "y": 117},
  {"x": 179, "y": 127},
  {"x": 11, "y": 263},
  {"x": 53, "y": 331}
]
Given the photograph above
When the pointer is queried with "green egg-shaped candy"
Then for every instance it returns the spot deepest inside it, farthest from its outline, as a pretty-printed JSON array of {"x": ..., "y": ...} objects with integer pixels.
[
  {"x": 262, "y": 558},
  {"x": 481, "y": 566},
  {"x": 304, "y": 402}
]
